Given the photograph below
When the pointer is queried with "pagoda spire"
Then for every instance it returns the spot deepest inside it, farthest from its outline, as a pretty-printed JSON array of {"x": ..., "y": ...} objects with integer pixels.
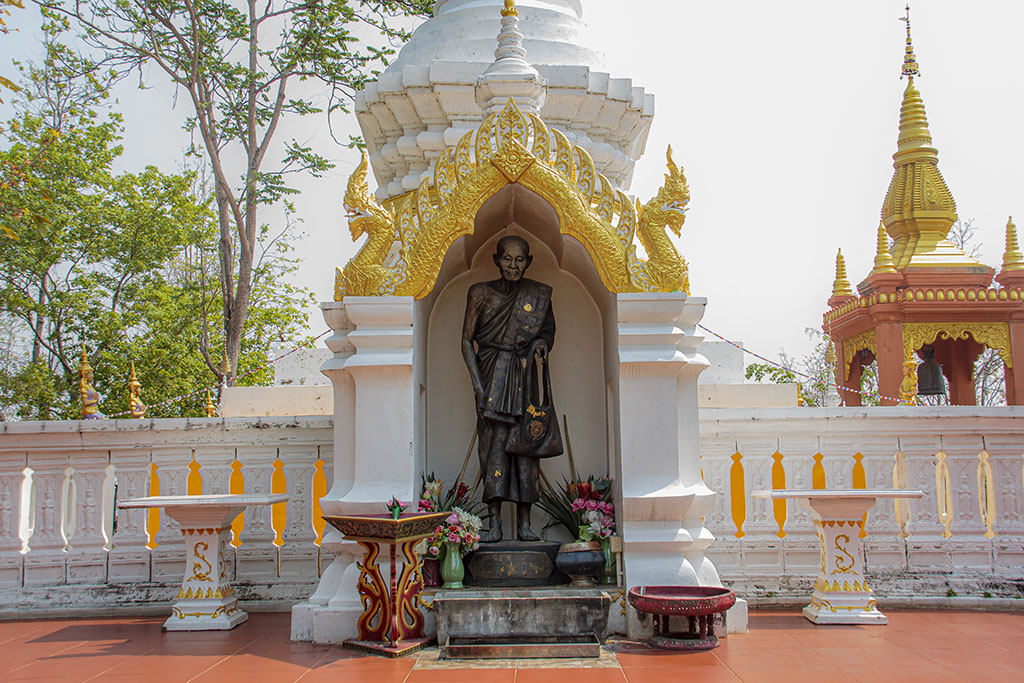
[
  {"x": 910, "y": 68},
  {"x": 919, "y": 209},
  {"x": 883, "y": 259},
  {"x": 841, "y": 286},
  {"x": 1012, "y": 258},
  {"x": 510, "y": 75}
]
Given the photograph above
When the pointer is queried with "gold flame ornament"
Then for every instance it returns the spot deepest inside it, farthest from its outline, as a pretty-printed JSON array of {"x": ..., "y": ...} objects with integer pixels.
[
  {"x": 90, "y": 397},
  {"x": 135, "y": 405}
]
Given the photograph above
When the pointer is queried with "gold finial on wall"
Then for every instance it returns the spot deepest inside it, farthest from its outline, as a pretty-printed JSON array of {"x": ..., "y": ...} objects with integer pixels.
[
  {"x": 841, "y": 286},
  {"x": 910, "y": 68},
  {"x": 211, "y": 409},
  {"x": 510, "y": 9},
  {"x": 90, "y": 397},
  {"x": 883, "y": 258},
  {"x": 1012, "y": 257},
  {"x": 135, "y": 405}
]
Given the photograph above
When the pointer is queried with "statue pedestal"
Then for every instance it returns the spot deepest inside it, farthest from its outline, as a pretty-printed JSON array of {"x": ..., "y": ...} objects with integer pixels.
[
  {"x": 517, "y": 622},
  {"x": 514, "y": 564}
]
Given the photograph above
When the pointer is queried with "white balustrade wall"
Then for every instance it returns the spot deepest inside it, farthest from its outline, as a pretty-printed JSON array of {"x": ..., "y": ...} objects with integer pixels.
[
  {"x": 58, "y": 549},
  {"x": 964, "y": 538},
  {"x": 58, "y": 545}
]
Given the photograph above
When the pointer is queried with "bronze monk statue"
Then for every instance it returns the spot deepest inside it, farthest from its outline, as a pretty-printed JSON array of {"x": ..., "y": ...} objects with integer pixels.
[{"x": 506, "y": 338}]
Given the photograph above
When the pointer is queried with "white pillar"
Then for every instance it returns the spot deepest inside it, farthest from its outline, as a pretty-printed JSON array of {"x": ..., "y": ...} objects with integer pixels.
[
  {"x": 374, "y": 432},
  {"x": 664, "y": 498}
]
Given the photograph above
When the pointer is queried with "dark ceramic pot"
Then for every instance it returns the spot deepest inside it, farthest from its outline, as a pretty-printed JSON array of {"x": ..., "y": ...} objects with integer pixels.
[
  {"x": 431, "y": 572},
  {"x": 580, "y": 561}
]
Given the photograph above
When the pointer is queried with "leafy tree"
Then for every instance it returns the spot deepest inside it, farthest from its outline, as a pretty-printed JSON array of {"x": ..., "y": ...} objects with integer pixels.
[
  {"x": 5, "y": 5},
  {"x": 125, "y": 264},
  {"x": 240, "y": 66},
  {"x": 815, "y": 373}
]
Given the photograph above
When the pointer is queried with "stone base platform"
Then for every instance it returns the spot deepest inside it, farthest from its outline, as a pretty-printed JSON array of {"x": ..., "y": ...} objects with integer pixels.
[
  {"x": 514, "y": 564},
  {"x": 517, "y": 622}
]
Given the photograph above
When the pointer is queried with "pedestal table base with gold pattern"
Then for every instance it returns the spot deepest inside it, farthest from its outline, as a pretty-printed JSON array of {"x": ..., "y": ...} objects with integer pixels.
[
  {"x": 206, "y": 601},
  {"x": 841, "y": 593}
]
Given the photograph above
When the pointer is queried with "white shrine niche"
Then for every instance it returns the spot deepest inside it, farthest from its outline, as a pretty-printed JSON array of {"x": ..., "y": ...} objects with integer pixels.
[
  {"x": 624, "y": 371},
  {"x": 580, "y": 360}
]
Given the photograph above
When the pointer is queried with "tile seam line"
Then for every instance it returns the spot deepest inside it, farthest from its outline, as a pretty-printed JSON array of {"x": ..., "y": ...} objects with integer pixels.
[
  {"x": 221, "y": 661},
  {"x": 4, "y": 642},
  {"x": 38, "y": 659},
  {"x": 313, "y": 666}
]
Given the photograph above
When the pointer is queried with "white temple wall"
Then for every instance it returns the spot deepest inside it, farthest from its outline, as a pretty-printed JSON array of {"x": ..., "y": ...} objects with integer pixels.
[{"x": 59, "y": 569}]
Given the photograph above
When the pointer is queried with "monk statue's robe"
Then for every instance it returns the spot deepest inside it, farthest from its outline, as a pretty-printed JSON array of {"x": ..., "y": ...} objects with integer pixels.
[{"x": 511, "y": 319}]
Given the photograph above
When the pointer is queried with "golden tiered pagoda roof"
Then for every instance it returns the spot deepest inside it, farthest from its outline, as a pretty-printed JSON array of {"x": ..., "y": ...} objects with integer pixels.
[
  {"x": 921, "y": 279},
  {"x": 919, "y": 208}
]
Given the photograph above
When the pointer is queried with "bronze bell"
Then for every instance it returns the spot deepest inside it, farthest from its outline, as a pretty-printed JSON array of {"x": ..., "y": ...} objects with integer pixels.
[{"x": 930, "y": 381}]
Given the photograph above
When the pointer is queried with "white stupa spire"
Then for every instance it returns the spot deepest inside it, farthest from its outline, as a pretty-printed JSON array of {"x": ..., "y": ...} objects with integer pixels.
[{"x": 510, "y": 75}]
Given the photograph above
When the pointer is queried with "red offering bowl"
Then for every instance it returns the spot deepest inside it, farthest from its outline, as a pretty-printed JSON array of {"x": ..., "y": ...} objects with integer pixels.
[{"x": 699, "y": 604}]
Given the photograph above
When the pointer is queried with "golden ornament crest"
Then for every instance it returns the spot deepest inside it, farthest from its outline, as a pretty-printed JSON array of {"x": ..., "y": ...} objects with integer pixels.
[{"x": 406, "y": 246}]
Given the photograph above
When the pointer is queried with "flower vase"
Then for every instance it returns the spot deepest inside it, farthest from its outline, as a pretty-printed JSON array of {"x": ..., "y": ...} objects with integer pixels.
[
  {"x": 608, "y": 574},
  {"x": 452, "y": 569}
]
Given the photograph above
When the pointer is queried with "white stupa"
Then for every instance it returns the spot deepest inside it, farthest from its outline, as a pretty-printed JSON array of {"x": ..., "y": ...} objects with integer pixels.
[{"x": 428, "y": 98}]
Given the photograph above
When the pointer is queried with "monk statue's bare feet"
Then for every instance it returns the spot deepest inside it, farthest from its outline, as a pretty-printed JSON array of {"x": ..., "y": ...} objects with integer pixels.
[
  {"x": 523, "y": 526},
  {"x": 492, "y": 535}
]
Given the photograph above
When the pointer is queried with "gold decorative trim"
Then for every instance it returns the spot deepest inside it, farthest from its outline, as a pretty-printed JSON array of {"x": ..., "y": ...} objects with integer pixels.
[
  {"x": 995, "y": 335},
  {"x": 864, "y": 340},
  {"x": 404, "y": 251}
]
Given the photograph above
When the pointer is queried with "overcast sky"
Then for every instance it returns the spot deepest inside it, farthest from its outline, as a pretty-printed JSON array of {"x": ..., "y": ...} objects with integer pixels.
[{"x": 784, "y": 115}]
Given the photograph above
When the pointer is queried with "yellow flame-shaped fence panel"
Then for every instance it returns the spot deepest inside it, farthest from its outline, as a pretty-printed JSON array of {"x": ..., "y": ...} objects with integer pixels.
[
  {"x": 779, "y": 482},
  {"x": 278, "y": 511},
  {"x": 818, "y": 472},
  {"x": 738, "y": 494},
  {"x": 943, "y": 493},
  {"x": 859, "y": 480},
  {"x": 153, "y": 514},
  {"x": 318, "y": 492},
  {"x": 901, "y": 507},
  {"x": 986, "y": 493},
  {"x": 236, "y": 484},
  {"x": 194, "y": 480}
]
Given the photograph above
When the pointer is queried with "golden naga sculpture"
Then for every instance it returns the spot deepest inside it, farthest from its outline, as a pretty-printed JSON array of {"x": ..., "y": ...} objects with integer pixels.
[
  {"x": 90, "y": 397},
  {"x": 405, "y": 248},
  {"x": 665, "y": 268},
  {"x": 365, "y": 274},
  {"x": 135, "y": 405}
]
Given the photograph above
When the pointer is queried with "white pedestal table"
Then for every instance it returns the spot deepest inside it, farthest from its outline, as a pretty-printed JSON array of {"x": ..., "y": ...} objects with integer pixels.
[
  {"x": 841, "y": 593},
  {"x": 206, "y": 601}
]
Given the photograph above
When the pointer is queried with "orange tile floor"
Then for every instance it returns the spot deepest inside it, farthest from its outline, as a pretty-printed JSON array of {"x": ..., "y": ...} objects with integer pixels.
[{"x": 781, "y": 646}]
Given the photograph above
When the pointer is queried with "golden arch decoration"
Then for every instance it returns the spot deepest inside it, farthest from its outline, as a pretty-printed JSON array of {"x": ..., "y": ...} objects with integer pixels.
[
  {"x": 512, "y": 147},
  {"x": 864, "y": 340},
  {"x": 995, "y": 335}
]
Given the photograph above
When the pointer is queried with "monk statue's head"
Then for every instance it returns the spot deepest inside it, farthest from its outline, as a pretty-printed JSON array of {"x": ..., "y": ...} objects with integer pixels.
[{"x": 513, "y": 257}]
